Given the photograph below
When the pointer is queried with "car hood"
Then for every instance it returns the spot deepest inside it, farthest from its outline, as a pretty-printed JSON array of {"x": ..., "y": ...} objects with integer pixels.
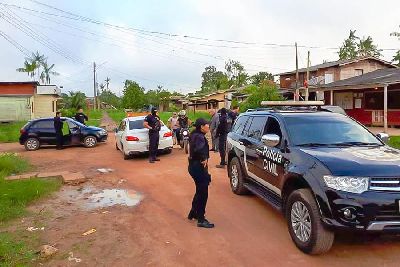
[
  {"x": 358, "y": 161},
  {"x": 93, "y": 128}
]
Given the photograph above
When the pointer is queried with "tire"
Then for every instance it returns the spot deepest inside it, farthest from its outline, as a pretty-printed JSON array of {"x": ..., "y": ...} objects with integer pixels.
[
  {"x": 90, "y": 141},
  {"x": 318, "y": 239},
  {"x": 126, "y": 157},
  {"x": 236, "y": 177},
  {"x": 186, "y": 146},
  {"x": 32, "y": 144},
  {"x": 168, "y": 151}
]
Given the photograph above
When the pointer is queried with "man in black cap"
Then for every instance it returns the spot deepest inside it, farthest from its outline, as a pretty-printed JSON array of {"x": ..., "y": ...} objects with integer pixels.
[
  {"x": 80, "y": 116},
  {"x": 153, "y": 123},
  {"x": 58, "y": 126},
  {"x": 198, "y": 169},
  {"x": 222, "y": 133}
]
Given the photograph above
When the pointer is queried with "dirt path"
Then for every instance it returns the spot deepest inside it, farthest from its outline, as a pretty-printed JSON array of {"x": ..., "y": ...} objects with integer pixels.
[
  {"x": 156, "y": 232},
  {"x": 107, "y": 123}
]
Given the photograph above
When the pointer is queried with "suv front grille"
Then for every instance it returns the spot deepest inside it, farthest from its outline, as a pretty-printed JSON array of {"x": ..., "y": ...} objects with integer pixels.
[{"x": 385, "y": 184}]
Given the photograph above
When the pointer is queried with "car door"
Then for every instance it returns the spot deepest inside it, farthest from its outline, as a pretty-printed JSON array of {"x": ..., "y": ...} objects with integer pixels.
[
  {"x": 44, "y": 130},
  {"x": 119, "y": 133},
  {"x": 271, "y": 160},
  {"x": 74, "y": 135},
  {"x": 252, "y": 143}
]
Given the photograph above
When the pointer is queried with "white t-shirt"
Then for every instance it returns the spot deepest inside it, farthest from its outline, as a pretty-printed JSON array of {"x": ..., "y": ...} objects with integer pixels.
[{"x": 173, "y": 122}]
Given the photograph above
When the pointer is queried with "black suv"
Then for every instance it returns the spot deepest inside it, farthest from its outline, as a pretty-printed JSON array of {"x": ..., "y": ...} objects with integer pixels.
[
  {"x": 323, "y": 170},
  {"x": 41, "y": 132}
]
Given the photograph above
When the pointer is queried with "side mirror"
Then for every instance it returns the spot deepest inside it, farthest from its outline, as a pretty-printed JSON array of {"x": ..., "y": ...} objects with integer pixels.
[
  {"x": 384, "y": 137},
  {"x": 271, "y": 140}
]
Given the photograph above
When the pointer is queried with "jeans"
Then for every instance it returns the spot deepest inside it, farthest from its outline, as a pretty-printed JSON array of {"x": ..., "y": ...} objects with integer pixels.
[
  {"x": 154, "y": 138},
  {"x": 59, "y": 139}
]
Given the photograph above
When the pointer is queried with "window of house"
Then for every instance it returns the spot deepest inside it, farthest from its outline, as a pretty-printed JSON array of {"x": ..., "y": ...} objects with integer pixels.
[
  {"x": 257, "y": 127},
  {"x": 359, "y": 72},
  {"x": 328, "y": 78},
  {"x": 394, "y": 99},
  {"x": 374, "y": 100},
  {"x": 344, "y": 100}
]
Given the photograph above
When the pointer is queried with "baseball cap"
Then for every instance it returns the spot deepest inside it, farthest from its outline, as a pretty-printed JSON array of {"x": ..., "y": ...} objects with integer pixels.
[{"x": 200, "y": 122}]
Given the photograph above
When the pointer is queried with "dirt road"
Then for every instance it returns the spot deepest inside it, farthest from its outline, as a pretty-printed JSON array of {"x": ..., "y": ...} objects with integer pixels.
[{"x": 156, "y": 232}]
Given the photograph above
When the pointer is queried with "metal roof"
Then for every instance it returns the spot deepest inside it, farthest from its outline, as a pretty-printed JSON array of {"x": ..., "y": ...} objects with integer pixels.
[
  {"x": 12, "y": 83},
  {"x": 338, "y": 63},
  {"x": 378, "y": 77}
]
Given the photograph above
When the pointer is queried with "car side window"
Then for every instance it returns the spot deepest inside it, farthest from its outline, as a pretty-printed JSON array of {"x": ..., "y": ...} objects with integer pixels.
[
  {"x": 273, "y": 127},
  {"x": 72, "y": 125},
  {"x": 121, "y": 126},
  {"x": 240, "y": 124},
  {"x": 257, "y": 127},
  {"x": 43, "y": 125},
  {"x": 247, "y": 126}
]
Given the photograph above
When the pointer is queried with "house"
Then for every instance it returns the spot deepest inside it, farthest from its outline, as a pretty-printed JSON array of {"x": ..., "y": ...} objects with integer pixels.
[
  {"x": 327, "y": 73},
  {"x": 216, "y": 100},
  {"x": 20, "y": 101},
  {"x": 368, "y": 97}
]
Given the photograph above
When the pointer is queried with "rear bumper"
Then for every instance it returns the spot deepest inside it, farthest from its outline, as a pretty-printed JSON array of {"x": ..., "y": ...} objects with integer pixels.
[{"x": 133, "y": 148}]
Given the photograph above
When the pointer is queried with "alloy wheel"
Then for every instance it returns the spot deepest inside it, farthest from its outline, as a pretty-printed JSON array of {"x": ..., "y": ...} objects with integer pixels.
[
  {"x": 32, "y": 144},
  {"x": 301, "y": 221},
  {"x": 234, "y": 176}
]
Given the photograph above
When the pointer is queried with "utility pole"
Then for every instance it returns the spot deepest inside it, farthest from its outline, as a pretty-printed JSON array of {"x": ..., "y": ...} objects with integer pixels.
[
  {"x": 308, "y": 74},
  {"x": 297, "y": 93},
  {"x": 94, "y": 87}
]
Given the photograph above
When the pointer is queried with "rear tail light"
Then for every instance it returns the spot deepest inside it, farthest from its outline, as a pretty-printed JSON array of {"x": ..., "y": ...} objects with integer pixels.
[
  {"x": 132, "y": 138},
  {"x": 168, "y": 134}
]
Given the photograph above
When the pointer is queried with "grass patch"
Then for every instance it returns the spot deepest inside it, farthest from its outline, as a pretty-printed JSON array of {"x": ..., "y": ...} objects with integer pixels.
[
  {"x": 94, "y": 117},
  {"x": 9, "y": 132},
  {"x": 394, "y": 141},
  {"x": 17, "y": 249},
  {"x": 118, "y": 115}
]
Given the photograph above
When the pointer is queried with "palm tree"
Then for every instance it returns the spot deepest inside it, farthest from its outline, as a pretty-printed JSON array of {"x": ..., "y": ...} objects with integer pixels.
[
  {"x": 366, "y": 47},
  {"x": 107, "y": 82},
  {"x": 38, "y": 59},
  {"x": 29, "y": 68},
  {"x": 396, "y": 58},
  {"x": 47, "y": 71},
  {"x": 78, "y": 99}
]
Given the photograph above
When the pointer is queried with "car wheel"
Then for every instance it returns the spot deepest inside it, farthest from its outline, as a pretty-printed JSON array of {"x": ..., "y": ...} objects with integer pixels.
[
  {"x": 90, "y": 141},
  {"x": 236, "y": 177},
  {"x": 305, "y": 225},
  {"x": 126, "y": 157},
  {"x": 32, "y": 144},
  {"x": 168, "y": 151}
]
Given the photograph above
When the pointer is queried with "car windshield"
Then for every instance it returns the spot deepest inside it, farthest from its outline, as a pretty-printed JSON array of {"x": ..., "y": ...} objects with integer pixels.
[{"x": 328, "y": 130}]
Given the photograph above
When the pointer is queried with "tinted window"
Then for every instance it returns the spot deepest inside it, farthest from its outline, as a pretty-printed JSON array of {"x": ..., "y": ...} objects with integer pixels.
[
  {"x": 43, "y": 124},
  {"x": 138, "y": 124},
  {"x": 327, "y": 130},
  {"x": 273, "y": 127},
  {"x": 71, "y": 124},
  {"x": 246, "y": 128},
  {"x": 257, "y": 127},
  {"x": 239, "y": 124}
]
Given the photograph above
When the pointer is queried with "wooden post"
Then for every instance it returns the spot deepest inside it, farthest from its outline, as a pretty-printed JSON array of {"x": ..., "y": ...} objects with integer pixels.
[
  {"x": 332, "y": 97},
  {"x": 297, "y": 92},
  {"x": 385, "y": 108},
  {"x": 308, "y": 74}
]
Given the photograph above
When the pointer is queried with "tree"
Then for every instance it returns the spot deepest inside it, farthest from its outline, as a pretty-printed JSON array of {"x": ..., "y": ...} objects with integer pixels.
[
  {"x": 349, "y": 48},
  {"x": 236, "y": 73},
  {"x": 266, "y": 91},
  {"x": 77, "y": 99},
  {"x": 260, "y": 77},
  {"x": 213, "y": 80},
  {"x": 47, "y": 71},
  {"x": 38, "y": 59},
  {"x": 110, "y": 98},
  {"x": 397, "y": 34},
  {"x": 29, "y": 68},
  {"x": 366, "y": 47},
  {"x": 396, "y": 58},
  {"x": 133, "y": 95},
  {"x": 107, "y": 80}
]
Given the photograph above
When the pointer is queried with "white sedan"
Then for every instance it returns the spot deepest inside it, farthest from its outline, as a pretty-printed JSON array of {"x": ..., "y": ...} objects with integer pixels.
[{"x": 133, "y": 139}]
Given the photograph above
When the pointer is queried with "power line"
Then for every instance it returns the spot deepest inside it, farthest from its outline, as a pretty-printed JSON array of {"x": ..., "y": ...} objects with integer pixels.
[{"x": 22, "y": 49}]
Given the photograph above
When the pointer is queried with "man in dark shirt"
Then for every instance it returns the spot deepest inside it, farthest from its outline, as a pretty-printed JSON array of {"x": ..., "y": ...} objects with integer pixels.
[
  {"x": 198, "y": 169},
  {"x": 222, "y": 132},
  {"x": 153, "y": 123},
  {"x": 58, "y": 126},
  {"x": 232, "y": 115},
  {"x": 80, "y": 116}
]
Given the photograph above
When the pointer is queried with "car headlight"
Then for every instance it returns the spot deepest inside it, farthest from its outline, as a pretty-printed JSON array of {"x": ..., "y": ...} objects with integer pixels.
[{"x": 349, "y": 184}]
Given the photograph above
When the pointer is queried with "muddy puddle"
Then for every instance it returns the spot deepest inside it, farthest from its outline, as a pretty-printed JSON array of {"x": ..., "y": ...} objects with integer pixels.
[{"x": 90, "y": 198}]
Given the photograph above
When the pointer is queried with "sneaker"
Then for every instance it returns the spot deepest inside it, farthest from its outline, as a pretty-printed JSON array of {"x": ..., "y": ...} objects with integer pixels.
[
  {"x": 157, "y": 160},
  {"x": 205, "y": 224},
  {"x": 151, "y": 161}
]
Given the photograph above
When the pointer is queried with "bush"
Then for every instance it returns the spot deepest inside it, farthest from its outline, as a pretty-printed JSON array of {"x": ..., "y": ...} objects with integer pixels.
[
  {"x": 267, "y": 91},
  {"x": 9, "y": 132}
]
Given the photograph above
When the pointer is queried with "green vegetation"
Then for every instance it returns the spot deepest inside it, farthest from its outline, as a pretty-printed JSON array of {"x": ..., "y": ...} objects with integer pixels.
[
  {"x": 118, "y": 115},
  {"x": 16, "y": 248},
  {"x": 266, "y": 91},
  {"x": 394, "y": 141},
  {"x": 9, "y": 132},
  {"x": 94, "y": 117}
]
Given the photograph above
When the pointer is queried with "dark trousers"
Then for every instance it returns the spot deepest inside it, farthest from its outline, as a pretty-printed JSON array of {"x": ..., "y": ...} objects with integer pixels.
[
  {"x": 177, "y": 134},
  {"x": 154, "y": 138},
  {"x": 202, "y": 180},
  {"x": 59, "y": 139},
  {"x": 222, "y": 147}
]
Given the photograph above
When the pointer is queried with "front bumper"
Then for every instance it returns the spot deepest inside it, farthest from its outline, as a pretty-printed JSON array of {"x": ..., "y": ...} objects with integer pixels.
[
  {"x": 102, "y": 138},
  {"x": 370, "y": 211}
]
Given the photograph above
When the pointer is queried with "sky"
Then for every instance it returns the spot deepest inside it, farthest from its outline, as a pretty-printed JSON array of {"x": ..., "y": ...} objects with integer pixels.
[{"x": 169, "y": 43}]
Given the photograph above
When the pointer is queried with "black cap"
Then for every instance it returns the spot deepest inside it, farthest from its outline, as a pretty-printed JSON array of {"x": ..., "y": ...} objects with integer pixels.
[
  {"x": 154, "y": 109},
  {"x": 200, "y": 122}
]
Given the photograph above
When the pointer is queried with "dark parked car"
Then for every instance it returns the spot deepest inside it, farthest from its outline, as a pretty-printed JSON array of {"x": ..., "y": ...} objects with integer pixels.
[
  {"x": 323, "y": 170},
  {"x": 41, "y": 132}
]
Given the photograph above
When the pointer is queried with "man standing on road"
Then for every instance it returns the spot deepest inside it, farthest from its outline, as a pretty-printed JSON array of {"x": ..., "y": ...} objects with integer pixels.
[
  {"x": 80, "y": 116},
  {"x": 222, "y": 132},
  {"x": 232, "y": 115},
  {"x": 153, "y": 123},
  {"x": 198, "y": 169},
  {"x": 213, "y": 129},
  {"x": 174, "y": 126},
  {"x": 58, "y": 126}
]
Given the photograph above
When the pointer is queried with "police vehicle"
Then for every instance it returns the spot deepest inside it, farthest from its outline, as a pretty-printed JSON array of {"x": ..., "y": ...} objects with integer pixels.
[{"x": 323, "y": 170}]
